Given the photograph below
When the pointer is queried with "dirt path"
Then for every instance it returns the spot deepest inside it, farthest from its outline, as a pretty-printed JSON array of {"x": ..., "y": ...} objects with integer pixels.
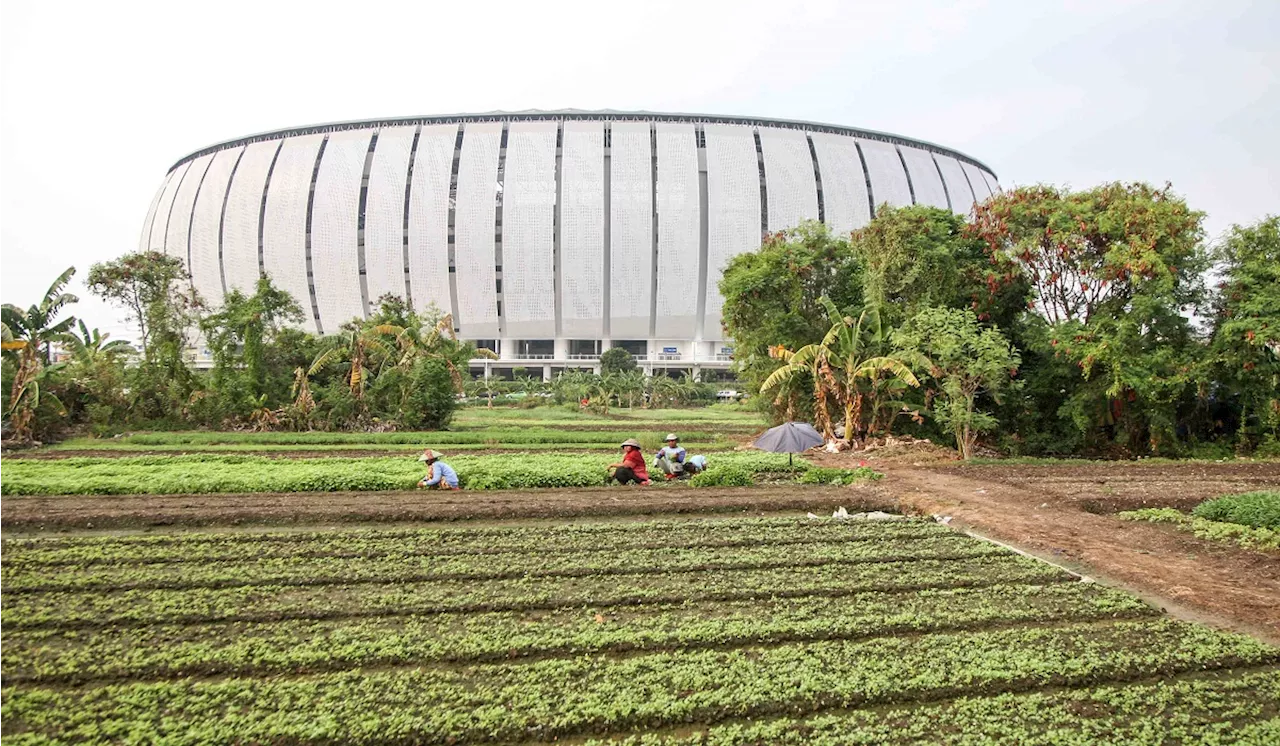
[
  {"x": 72, "y": 512},
  {"x": 1216, "y": 583}
]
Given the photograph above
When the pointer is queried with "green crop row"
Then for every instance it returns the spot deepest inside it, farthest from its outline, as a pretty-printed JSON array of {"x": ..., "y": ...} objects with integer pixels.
[
  {"x": 1253, "y": 509},
  {"x": 94, "y": 448},
  {"x": 417, "y": 568},
  {"x": 567, "y": 697},
  {"x": 273, "y": 602},
  {"x": 205, "y": 473},
  {"x": 167, "y": 651},
  {"x": 1231, "y": 533},
  {"x": 520, "y": 434},
  {"x": 1216, "y": 709},
  {"x": 543, "y": 540}
]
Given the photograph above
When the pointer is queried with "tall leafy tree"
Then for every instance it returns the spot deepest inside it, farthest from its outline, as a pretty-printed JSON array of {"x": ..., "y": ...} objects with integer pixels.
[
  {"x": 920, "y": 257},
  {"x": 1114, "y": 273},
  {"x": 155, "y": 291},
  {"x": 25, "y": 337},
  {"x": 1245, "y": 355},
  {"x": 772, "y": 297},
  {"x": 964, "y": 361},
  {"x": 238, "y": 336},
  {"x": 617, "y": 360}
]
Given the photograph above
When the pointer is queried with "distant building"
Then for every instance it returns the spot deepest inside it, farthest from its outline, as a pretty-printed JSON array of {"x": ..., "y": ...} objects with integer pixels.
[{"x": 549, "y": 235}]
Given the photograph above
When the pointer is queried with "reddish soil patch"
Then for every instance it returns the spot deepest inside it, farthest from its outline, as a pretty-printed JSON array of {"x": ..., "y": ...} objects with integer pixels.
[
  {"x": 31, "y": 513},
  {"x": 1115, "y": 486},
  {"x": 1042, "y": 510}
]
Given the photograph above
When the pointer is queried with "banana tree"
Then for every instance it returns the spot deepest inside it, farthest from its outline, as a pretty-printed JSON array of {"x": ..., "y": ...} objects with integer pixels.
[
  {"x": 845, "y": 369},
  {"x": 26, "y": 336},
  {"x": 814, "y": 359},
  {"x": 864, "y": 376},
  {"x": 433, "y": 341},
  {"x": 361, "y": 351},
  {"x": 91, "y": 347},
  {"x": 489, "y": 388}
]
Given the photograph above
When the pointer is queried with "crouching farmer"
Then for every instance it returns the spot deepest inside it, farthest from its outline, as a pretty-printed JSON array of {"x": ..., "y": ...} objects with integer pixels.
[
  {"x": 675, "y": 462},
  {"x": 631, "y": 468},
  {"x": 439, "y": 474}
]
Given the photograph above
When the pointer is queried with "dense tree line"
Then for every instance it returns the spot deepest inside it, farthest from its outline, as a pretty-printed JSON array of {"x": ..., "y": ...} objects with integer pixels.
[
  {"x": 1049, "y": 322},
  {"x": 398, "y": 368}
]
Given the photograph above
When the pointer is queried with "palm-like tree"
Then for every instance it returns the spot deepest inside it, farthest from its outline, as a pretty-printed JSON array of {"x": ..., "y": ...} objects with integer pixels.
[
  {"x": 432, "y": 341},
  {"x": 530, "y": 385},
  {"x": 26, "y": 335},
  {"x": 361, "y": 351},
  {"x": 91, "y": 347},
  {"x": 489, "y": 388},
  {"x": 846, "y": 367}
]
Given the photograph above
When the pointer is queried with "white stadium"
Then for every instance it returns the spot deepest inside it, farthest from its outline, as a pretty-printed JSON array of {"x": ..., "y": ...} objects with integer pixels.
[{"x": 550, "y": 236}]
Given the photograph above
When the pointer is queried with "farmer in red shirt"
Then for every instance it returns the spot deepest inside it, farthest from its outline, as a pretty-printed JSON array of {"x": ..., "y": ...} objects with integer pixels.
[{"x": 631, "y": 468}]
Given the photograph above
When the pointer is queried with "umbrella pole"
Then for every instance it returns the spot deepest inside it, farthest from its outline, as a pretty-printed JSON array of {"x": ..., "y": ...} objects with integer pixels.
[{"x": 789, "y": 457}]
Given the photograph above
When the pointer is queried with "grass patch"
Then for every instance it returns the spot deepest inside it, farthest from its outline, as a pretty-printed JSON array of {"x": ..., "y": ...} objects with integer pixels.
[
  {"x": 1229, "y": 533},
  {"x": 1253, "y": 509}
]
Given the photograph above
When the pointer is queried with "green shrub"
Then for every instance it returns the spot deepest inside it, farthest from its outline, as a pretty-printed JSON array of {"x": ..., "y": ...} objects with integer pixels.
[
  {"x": 823, "y": 475},
  {"x": 1231, "y": 533},
  {"x": 1256, "y": 509},
  {"x": 723, "y": 476},
  {"x": 430, "y": 402}
]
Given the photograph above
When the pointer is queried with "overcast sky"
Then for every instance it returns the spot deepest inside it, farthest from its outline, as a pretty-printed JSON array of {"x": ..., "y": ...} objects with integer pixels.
[{"x": 99, "y": 99}]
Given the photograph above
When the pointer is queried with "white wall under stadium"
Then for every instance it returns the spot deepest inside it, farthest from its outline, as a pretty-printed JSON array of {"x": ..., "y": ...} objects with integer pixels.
[{"x": 548, "y": 235}]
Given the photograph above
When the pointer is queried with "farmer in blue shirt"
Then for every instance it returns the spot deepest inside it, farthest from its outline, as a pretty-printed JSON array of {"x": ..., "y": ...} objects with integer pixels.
[
  {"x": 440, "y": 475},
  {"x": 671, "y": 458}
]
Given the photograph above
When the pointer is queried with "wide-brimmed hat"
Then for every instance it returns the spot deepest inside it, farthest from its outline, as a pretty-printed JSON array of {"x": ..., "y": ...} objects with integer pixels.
[
  {"x": 671, "y": 436},
  {"x": 430, "y": 455},
  {"x": 631, "y": 442}
]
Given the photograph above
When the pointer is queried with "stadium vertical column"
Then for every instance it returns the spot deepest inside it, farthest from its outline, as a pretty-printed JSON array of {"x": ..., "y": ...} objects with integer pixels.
[
  {"x": 888, "y": 176},
  {"x": 790, "y": 173},
  {"x": 582, "y": 231},
  {"x": 206, "y": 223},
  {"x": 528, "y": 231},
  {"x": 241, "y": 229},
  {"x": 160, "y": 223},
  {"x": 335, "y": 221},
  {"x": 733, "y": 203},
  {"x": 678, "y": 243},
  {"x": 957, "y": 184},
  {"x": 631, "y": 216},
  {"x": 474, "y": 231},
  {"x": 429, "y": 218},
  {"x": 926, "y": 180},
  {"x": 284, "y": 221},
  {"x": 386, "y": 270},
  {"x": 844, "y": 183}
]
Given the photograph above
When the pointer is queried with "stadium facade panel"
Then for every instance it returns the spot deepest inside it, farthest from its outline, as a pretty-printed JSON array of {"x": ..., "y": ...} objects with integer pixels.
[{"x": 550, "y": 236}]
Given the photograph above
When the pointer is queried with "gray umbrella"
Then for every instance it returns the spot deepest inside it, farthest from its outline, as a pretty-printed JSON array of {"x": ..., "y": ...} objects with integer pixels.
[{"x": 789, "y": 437}]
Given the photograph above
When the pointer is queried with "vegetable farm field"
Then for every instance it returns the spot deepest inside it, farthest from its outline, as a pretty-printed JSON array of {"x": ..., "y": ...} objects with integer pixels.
[
  {"x": 207, "y": 587},
  {"x": 711, "y": 630}
]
